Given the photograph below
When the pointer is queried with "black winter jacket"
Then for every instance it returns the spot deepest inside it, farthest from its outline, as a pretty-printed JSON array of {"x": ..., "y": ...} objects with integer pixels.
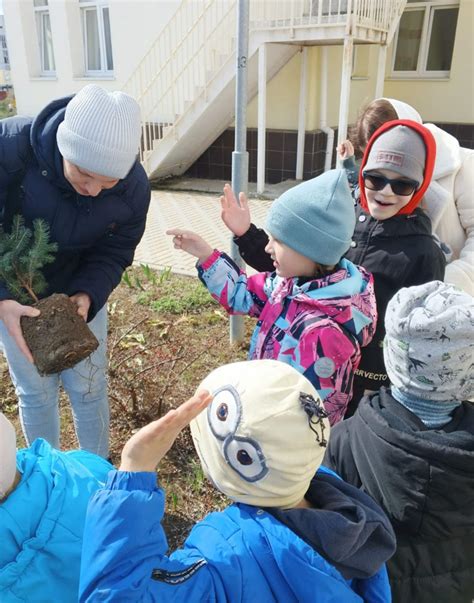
[
  {"x": 424, "y": 480},
  {"x": 96, "y": 236},
  {"x": 399, "y": 252}
]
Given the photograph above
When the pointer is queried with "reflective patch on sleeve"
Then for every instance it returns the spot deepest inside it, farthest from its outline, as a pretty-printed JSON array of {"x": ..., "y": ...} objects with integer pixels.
[{"x": 178, "y": 577}]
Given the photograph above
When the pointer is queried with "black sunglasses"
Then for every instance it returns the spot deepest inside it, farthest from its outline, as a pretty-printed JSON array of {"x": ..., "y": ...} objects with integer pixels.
[{"x": 376, "y": 182}]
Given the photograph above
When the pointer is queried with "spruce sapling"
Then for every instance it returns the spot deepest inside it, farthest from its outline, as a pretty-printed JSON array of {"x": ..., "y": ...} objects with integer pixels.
[
  {"x": 22, "y": 255},
  {"x": 58, "y": 338}
]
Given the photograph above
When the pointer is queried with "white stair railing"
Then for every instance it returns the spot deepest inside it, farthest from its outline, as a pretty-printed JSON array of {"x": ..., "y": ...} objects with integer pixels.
[
  {"x": 199, "y": 40},
  {"x": 176, "y": 70},
  {"x": 294, "y": 14}
]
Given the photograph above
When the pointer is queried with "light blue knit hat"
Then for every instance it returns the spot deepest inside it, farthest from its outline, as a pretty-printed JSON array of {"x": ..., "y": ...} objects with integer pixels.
[
  {"x": 101, "y": 131},
  {"x": 315, "y": 218}
]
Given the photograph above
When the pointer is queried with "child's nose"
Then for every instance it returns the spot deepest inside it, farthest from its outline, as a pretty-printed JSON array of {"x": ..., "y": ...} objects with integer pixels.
[{"x": 387, "y": 190}]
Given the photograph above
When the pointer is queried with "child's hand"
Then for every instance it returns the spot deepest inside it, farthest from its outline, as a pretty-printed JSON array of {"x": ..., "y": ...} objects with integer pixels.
[
  {"x": 145, "y": 449},
  {"x": 191, "y": 243},
  {"x": 345, "y": 150},
  {"x": 236, "y": 217}
]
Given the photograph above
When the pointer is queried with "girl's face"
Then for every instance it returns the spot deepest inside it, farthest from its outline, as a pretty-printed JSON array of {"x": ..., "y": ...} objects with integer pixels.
[
  {"x": 86, "y": 183},
  {"x": 288, "y": 262},
  {"x": 384, "y": 203}
]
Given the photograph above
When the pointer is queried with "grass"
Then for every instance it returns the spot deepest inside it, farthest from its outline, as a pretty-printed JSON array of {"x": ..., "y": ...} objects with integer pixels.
[{"x": 165, "y": 335}]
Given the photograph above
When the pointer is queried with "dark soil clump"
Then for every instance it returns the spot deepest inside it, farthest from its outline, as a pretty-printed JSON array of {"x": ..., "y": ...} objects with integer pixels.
[{"x": 58, "y": 338}]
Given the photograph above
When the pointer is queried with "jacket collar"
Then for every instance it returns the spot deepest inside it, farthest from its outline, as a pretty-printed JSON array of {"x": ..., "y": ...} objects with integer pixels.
[
  {"x": 416, "y": 223},
  {"x": 345, "y": 526}
]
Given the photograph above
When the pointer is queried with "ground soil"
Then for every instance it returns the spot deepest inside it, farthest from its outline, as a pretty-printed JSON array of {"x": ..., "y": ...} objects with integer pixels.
[
  {"x": 58, "y": 338},
  {"x": 165, "y": 335}
]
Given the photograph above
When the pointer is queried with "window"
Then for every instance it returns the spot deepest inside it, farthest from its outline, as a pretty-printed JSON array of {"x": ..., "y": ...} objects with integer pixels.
[
  {"x": 97, "y": 39},
  {"x": 45, "y": 39},
  {"x": 425, "y": 39}
]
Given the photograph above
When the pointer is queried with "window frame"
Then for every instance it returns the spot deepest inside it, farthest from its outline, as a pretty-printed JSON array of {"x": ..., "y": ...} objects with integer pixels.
[
  {"x": 99, "y": 6},
  {"x": 430, "y": 7},
  {"x": 42, "y": 11}
]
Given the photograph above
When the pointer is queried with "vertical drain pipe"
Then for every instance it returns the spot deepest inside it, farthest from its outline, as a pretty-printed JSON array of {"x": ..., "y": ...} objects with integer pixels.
[{"x": 324, "y": 109}]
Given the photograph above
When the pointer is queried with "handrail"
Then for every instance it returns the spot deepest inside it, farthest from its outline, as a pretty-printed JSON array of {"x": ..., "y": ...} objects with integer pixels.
[{"x": 198, "y": 41}]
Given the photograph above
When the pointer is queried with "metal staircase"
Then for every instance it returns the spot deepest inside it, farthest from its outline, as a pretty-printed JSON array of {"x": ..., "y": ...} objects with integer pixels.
[{"x": 185, "y": 82}]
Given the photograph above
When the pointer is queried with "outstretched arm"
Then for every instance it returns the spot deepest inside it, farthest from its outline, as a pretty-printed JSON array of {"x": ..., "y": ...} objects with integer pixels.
[
  {"x": 124, "y": 544},
  {"x": 227, "y": 284}
]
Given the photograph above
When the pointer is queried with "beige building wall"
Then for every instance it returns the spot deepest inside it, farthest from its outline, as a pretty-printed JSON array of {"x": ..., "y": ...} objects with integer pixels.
[
  {"x": 132, "y": 31},
  {"x": 283, "y": 89},
  {"x": 441, "y": 100},
  {"x": 449, "y": 100}
]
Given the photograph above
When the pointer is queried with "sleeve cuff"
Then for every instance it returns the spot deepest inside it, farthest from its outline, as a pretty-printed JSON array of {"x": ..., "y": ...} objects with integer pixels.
[
  {"x": 215, "y": 255},
  {"x": 250, "y": 234},
  {"x": 349, "y": 163},
  {"x": 132, "y": 480}
]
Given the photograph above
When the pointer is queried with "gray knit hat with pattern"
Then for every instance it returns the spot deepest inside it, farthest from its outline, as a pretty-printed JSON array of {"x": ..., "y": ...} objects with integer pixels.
[
  {"x": 429, "y": 343},
  {"x": 101, "y": 131}
]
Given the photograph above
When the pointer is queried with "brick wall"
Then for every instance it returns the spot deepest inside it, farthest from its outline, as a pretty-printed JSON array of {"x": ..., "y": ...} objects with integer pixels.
[{"x": 216, "y": 162}]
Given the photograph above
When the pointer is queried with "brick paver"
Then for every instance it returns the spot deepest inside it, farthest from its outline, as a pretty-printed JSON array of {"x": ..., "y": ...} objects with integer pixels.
[{"x": 192, "y": 211}]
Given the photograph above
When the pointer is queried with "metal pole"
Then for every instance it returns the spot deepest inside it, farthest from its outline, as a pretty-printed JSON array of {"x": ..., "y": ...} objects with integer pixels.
[
  {"x": 240, "y": 157},
  {"x": 379, "y": 84},
  {"x": 262, "y": 117},
  {"x": 301, "y": 115},
  {"x": 345, "y": 88}
]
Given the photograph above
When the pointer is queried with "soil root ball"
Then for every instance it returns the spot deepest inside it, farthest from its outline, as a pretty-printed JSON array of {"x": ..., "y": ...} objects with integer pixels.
[{"x": 58, "y": 338}]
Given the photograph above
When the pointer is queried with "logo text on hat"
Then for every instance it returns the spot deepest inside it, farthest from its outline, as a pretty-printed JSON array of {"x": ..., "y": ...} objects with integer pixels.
[{"x": 390, "y": 157}]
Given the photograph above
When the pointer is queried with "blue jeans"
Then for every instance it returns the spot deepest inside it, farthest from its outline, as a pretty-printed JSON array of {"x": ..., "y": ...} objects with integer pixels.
[{"x": 85, "y": 384}]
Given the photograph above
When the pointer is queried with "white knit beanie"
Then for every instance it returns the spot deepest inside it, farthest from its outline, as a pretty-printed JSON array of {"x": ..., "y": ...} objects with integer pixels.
[
  {"x": 264, "y": 435},
  {"x": 101, "y": 131},
  {"x": 429, "y": 342},
  {"x": 7, "y": 455}
]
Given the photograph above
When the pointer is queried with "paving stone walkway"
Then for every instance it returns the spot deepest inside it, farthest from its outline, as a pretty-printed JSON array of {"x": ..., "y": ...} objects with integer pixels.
[{"x": 193, "y": 211}]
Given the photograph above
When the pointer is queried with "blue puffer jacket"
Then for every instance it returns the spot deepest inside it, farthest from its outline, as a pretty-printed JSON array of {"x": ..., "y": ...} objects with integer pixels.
[
  {"x": 96, "y": 236},
  {"x": 42, "y": 521},
  {"x": 332, "y": 553}
]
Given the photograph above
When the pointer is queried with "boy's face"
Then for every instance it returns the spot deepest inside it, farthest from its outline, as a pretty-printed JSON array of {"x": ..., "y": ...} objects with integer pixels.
[
  {"x": 288, "y": 262},
  {"x": 384, "y": 203}
]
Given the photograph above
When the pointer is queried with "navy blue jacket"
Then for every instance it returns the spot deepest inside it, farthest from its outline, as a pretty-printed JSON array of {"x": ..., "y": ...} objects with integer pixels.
[{"x": 96, "y": 236}]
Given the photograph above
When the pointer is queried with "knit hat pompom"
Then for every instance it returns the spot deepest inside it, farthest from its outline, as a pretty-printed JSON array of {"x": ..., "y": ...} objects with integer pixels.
[
  {"x": 7, "y": 455},
  {"x": 263, "y": 437},
  {"x": 101, "y": 132},
  {"x": 315, "y": 218},
  {"x": 400, "y": 150},
  {"x": 429, "y": 343}
]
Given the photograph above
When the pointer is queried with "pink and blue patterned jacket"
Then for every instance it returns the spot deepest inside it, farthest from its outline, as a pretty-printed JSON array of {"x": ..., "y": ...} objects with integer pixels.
[{"x": 317, "y": 326}]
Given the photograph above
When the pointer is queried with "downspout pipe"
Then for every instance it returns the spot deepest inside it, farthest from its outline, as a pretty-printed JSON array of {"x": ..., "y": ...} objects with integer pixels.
[{"x": 324, "y": 109}]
